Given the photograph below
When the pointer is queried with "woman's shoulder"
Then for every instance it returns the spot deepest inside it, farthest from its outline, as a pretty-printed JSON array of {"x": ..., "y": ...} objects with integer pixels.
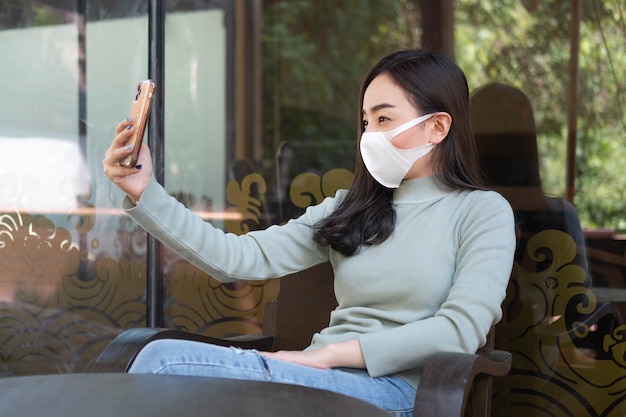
[
  {"x": 488, "y": 196},
  {"x": 332, "y": 202},
  {"x": 488, "y": 201},
  {"x": 316, "y": 212}
]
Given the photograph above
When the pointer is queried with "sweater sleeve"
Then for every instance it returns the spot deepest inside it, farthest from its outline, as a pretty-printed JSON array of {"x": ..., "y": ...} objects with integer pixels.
[
  {"x": 486, "y": 244},
  {"x": 273, "y": 252}
]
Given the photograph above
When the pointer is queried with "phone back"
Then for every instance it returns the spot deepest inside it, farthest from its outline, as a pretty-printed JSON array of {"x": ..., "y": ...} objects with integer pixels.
[{"x": 139, "y": 112}]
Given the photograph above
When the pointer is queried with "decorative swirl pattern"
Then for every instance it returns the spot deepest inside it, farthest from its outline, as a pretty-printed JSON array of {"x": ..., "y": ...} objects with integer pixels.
[
  {"x": 309, "y": 189},
  {"x": 58, "y": 308},
  {"x": 550, "y": 316},
  {"x": 51, "y": 319},
  {"x": 200, "y": 304},
  {"x": 243, "y": 197}
]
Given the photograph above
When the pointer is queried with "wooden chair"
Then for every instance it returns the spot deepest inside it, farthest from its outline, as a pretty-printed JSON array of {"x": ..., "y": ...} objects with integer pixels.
[{"x": 452, "y": 385}]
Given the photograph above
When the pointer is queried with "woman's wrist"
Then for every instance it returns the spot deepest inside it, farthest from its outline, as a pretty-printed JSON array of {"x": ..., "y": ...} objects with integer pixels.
[{"x": 346, "y": 354}]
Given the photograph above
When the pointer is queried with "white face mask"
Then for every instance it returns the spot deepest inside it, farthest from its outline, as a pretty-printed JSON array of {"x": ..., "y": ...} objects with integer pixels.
[{"x": 388, "y": 164}]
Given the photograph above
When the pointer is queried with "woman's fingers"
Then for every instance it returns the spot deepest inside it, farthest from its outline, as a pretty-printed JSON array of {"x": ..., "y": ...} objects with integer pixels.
[
  {"x": 115, "y": 155},
  {"x": 118, "y": 148},
  {"x": 118, "y": 151},
  {"x": 122, "y": 135},
  {"x": 130, "y": 180},
  {"x": 123, "y": 125},
  {"x": 113, "y": 169}
]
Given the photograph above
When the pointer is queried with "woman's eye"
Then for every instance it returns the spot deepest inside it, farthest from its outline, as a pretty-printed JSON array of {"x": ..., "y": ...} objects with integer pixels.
[
  {"x": 382, "y": 119},
  {"x": 364, "y": 124}
]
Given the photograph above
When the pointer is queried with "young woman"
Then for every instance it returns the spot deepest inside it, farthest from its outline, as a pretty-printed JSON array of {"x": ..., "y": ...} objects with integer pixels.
[{"x": 421, "y": 253}]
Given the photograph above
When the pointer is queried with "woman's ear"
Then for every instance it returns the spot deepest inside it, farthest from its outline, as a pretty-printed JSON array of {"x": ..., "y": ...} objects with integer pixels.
[{"x": 441, "y": 123}]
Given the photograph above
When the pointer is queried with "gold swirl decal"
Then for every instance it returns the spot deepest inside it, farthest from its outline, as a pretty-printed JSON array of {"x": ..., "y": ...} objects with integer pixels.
[
  {"x": 59, "y": 306},
  {"x": 199, "y": 303},
  {"x": 309, "y": 189},
  {"x": 51, "y": 319},
  {"x": 245, "y": 202},
  {"x": 552, "y": 321}
]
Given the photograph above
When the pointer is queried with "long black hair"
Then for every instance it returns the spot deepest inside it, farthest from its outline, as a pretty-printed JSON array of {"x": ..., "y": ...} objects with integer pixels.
[{"x": 433, "y": 83}]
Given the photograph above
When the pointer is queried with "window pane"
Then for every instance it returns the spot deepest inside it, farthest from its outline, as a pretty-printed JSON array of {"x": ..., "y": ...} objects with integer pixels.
[{"x": 71, "y": 275}]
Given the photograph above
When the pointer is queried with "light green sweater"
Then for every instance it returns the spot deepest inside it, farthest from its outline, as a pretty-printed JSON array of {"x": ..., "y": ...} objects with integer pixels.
[{"x": 435, "y": 285}]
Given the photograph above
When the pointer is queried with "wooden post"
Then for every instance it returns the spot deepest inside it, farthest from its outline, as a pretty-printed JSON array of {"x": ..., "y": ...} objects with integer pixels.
[
  {"x": 572, "y": 99},
  {"x": 438, "y": 26}
]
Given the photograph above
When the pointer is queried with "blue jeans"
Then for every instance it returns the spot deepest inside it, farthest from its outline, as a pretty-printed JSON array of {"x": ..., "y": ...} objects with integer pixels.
[{"x": 391, "y": 393}]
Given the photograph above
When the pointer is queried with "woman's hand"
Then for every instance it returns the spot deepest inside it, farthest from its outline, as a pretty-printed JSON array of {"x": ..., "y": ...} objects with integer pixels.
[
  {"x": 130, "y": 180},
  {"x": 346, "y": 354},
  {"x": 310, "y": 358}
]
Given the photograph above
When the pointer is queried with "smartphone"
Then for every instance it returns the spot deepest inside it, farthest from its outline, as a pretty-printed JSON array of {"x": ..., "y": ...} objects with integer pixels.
[{"x": 139, "y": 112}]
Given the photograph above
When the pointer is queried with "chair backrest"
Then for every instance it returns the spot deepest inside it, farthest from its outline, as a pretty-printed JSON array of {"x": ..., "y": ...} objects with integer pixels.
[{"x": 303, "y": 307}]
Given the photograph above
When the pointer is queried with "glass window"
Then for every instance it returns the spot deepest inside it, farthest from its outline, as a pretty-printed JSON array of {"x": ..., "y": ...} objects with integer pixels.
[
  {"x": 72, "y": 269},
  {"x": 260, "y": 116}
]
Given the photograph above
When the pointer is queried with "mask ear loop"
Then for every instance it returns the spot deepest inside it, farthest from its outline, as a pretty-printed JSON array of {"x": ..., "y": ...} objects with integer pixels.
[{"x": 406, "y": 126}]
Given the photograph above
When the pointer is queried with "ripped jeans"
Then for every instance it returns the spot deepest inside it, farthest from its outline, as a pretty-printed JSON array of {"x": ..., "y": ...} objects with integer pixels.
[{"x": 181, "y": 357}]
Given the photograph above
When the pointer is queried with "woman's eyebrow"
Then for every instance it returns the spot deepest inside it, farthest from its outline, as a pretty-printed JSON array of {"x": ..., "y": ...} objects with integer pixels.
[{"x": 379, "y": 107}]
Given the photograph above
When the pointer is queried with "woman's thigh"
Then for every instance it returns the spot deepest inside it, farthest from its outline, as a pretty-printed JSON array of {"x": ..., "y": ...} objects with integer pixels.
[{"x": 200, "y": 359}]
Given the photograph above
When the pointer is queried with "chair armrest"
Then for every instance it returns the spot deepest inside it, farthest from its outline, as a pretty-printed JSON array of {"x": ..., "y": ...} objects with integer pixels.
[
  {"x": 121, "y": 352},
  {"x": 449, "y": 377}
]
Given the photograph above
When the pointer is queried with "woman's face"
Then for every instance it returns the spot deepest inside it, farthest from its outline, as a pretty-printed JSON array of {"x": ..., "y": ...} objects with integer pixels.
[{"x": 386, "y": 106}]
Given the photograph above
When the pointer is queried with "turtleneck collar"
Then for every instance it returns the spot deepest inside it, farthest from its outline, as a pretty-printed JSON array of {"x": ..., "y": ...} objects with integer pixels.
[{"x": 419, "y": 190}]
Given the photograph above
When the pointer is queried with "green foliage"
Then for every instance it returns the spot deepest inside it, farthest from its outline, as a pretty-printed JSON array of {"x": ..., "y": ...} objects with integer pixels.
[
  {"x": 25, "y": 13},
  {"x": 317, "y": 52},
  {"x": 530, "y": 48},
  {"x": 43, "y": 17}
]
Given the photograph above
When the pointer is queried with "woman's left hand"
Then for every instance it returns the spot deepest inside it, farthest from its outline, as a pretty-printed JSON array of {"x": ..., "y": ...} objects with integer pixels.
[
  {"x": 310, "y": 358},
  {"x": 346, "y": 354}
]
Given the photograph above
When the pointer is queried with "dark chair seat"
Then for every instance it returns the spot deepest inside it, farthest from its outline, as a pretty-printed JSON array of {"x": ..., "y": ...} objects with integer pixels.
[{"x": 132, "y": 395}]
